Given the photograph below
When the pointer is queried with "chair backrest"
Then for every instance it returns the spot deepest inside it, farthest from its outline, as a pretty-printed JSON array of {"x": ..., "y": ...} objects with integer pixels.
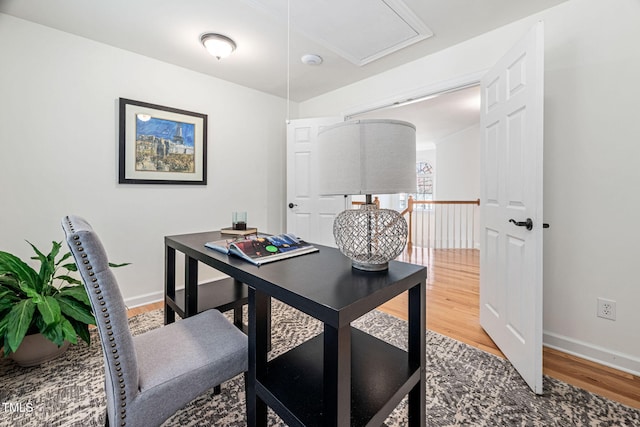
[{"x": 121, "y": 369}]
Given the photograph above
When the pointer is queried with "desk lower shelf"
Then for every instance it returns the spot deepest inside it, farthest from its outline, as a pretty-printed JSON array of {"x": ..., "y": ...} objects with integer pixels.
[
  {"x": 380, "y": 377},
  {"x": 224, "y": 294}
]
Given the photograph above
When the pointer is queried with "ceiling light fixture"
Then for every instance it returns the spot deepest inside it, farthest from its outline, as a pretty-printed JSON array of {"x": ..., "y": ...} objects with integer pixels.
[{"x": 218, "y": 45}]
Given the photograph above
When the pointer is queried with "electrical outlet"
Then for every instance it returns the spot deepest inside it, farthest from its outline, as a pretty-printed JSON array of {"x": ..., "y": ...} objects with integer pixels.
[{"x": 606, "y": 308}]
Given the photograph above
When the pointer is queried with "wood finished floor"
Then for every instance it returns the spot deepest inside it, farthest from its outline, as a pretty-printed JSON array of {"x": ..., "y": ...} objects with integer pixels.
[
  {"x": 453, "y": 309},
  {"x": 453, "y": 284}
]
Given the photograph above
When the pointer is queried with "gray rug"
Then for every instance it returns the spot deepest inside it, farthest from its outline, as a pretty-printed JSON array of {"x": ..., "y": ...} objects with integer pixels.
[{"x": 465, "y": 386}]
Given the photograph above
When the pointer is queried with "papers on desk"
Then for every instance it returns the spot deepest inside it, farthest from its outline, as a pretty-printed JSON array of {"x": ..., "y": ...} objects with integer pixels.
[{"x": 262, "y": 249}]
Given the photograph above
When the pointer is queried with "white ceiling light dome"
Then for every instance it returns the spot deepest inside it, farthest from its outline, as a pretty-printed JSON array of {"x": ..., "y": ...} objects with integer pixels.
[{"x": 218, "y": 45}]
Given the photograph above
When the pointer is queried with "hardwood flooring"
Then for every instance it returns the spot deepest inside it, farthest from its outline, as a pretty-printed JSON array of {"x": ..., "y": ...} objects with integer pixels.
[
  {"x": 453, "y": 309},
  {"x": 144, "y": 308},
  {"x": 453, "y": 285},
  {"x": 453, "y": 291}
]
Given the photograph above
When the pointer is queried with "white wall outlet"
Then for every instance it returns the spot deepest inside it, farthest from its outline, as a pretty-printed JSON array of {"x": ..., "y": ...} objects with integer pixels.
[{"x": 606, "y": 308}]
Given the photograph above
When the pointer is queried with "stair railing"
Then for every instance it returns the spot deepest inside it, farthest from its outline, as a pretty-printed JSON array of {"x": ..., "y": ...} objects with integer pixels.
[{"x": 446, "y": 224}]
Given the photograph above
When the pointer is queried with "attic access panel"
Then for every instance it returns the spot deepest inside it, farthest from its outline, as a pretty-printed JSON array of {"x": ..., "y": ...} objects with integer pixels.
[{"x": 360, "y": 31}]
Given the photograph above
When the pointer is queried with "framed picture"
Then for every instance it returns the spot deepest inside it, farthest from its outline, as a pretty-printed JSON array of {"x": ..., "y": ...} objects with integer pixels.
[{"x": 161, "y": 145}]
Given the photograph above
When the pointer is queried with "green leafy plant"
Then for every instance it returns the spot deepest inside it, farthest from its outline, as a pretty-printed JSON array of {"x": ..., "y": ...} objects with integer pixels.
[{"x": 49, "y": 301}]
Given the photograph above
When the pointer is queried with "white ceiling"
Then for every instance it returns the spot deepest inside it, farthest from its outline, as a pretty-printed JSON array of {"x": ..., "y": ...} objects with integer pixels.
[
  {"x": 337, "y": 30},
  {"x": 436, "y": 118},
  {"x": 169, "y": 30}
]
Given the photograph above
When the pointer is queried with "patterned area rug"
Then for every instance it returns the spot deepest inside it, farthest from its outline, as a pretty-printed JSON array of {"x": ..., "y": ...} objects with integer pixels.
[{"x": 465, "y": 386}]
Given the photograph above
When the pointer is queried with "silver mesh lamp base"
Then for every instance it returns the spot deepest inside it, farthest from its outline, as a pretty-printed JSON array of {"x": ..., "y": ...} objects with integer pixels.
[{"x": 370, "y": 237}]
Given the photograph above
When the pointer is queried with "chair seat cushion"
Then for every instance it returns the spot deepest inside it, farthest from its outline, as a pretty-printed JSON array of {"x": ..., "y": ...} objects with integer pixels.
[{"x": 191, "y": 355}]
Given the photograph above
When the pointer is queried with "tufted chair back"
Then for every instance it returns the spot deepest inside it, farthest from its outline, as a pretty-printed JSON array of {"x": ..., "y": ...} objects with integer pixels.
[{"x": 121, "y": 369}]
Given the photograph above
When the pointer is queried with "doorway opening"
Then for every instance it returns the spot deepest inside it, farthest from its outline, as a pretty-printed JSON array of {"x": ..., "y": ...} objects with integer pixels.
[
  {"x": 448, "y": 141},
  {"x": 447, "y": 144}
]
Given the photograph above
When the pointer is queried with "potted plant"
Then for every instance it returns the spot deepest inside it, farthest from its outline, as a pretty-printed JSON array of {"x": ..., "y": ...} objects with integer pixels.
[{"x": 46, "y": 302}]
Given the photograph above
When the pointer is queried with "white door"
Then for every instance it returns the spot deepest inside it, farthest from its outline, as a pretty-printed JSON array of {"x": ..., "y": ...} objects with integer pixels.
[
  {"x": 511, "y": 123},
  {"x": 309, "y": 215}
]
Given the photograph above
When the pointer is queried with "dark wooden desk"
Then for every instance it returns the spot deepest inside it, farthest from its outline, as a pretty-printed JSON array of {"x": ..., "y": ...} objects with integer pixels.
[
  {"x": 343, "y": 377},
  {"x": 224, "y": 294}
]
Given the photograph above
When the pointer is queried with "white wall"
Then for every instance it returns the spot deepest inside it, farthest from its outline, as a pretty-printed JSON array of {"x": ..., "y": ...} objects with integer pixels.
[
  {"x": 592, "y": 136},
  {"x": 458, "y": 170},
  {"x": 58, "y": 150}
]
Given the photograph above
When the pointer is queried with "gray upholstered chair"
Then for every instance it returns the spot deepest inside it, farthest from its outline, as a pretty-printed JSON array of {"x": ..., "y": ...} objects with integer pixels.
[{"x": 149, "y": 377}]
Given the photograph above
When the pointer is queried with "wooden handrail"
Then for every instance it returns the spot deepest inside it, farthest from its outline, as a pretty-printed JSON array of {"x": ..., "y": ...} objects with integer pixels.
[
  {"x": 376, "y": 201},
  {"x": 446, "y": 202},
  {"x": 411, "y": 202}
]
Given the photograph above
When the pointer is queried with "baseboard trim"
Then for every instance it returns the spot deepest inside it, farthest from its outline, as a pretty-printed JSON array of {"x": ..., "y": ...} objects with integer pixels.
[
  {"x": 603, "y": 356},
  {"x": 144, "y": 299}
]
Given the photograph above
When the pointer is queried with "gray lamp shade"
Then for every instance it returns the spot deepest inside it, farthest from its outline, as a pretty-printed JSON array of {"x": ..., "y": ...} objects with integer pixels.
[{"x": 367, "y": 157}]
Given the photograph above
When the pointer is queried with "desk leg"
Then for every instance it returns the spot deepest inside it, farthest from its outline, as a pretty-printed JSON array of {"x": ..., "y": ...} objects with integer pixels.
[
  {"x": 190, "y": 286},
  {"x": 169, "y": 283},
  {"x": 337, "y": 376},
  {"x": 259, "y": 309},
  {"x": 237, "y": 312},
  {"x": 417, "y": 340}
]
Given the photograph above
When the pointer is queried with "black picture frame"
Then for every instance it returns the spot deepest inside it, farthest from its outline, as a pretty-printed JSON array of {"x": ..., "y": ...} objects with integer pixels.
[{"x": 161, "y": 145}]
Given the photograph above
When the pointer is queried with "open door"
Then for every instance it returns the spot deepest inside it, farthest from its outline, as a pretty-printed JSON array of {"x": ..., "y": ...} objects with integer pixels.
[
  {"x": 511, "y": 123},
  {"x": 309, "y": 215}
]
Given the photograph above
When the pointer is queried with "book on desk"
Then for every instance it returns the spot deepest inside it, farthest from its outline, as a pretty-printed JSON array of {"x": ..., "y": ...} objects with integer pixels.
[
  {"x": 233, "y": 232},
  {"x": 261, "y": 249}
]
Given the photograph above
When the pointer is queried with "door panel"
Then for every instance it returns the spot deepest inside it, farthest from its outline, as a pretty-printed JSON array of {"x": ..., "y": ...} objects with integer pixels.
[
  {"x": 309, "y": 215},
  {"x": 511, "y": 188},
  {"x": 302, "y": 165}
]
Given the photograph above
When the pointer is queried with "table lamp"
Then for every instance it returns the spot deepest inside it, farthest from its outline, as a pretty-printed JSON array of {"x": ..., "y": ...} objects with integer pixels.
[{"x": 368, "y": 157}]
